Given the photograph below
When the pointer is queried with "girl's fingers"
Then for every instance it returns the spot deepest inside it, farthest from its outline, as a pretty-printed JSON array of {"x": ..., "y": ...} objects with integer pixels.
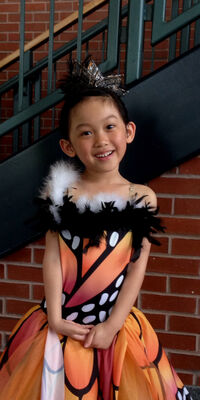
[
  {"x": 80, "y": 338},
  {"x": 81, "y": 325},
  {"x": 89, "y": 338},
  {"x": 88, "y": 326}
]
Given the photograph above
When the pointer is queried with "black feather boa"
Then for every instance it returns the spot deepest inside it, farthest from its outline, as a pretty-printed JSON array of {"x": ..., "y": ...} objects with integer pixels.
[{"x": 142, "y": 221}]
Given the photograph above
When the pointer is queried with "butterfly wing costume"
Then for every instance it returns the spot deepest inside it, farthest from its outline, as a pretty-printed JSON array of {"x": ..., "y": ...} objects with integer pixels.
[{"x": 97, "y": 241}]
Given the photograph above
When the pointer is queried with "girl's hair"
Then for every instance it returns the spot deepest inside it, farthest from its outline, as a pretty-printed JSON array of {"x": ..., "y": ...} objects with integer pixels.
[{"x": 83, "y": 94}]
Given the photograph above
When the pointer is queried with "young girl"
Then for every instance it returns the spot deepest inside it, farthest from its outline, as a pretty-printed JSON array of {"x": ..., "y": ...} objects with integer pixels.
[{"x": 86, "y": 341}]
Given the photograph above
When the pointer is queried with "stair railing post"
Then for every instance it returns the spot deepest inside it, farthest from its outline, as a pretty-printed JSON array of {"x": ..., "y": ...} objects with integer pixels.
[
  {"x": 79, "y": 35},
  {"x": 113, "y": 38},
  {"x": 21, "y": 58},
  {"x": 50, "y": 50},
  {"x": 134, "y": 53}
]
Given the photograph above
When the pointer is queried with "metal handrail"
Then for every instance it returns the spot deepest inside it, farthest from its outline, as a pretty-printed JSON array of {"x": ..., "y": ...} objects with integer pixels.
[{"x": 58, "y": 28}]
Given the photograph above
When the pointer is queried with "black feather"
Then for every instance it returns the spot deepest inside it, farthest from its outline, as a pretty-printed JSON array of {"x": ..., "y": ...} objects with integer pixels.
[{"x": 141, "y": 221}]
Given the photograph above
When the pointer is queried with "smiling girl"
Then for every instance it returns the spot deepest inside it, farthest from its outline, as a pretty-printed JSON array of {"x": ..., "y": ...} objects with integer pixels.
[{"x": 86, "y": 340}]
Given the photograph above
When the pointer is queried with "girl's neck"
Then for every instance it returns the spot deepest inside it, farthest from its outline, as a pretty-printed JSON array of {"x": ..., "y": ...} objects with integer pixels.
[{"x": 100, "y": 179}]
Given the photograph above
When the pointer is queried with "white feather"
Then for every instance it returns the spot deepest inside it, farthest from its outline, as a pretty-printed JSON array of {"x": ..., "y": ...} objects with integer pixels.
[{"x": 61, "y": 176}]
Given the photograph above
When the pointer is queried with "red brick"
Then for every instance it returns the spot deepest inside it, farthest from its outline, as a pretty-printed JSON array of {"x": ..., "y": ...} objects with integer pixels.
[
  {"x": 1, "y": 271},
  {"x": 3, "y": 18},
  {"x": 14, "y": 289},
  {"x": 7, "y": 324},
  {"x": 9, "y": 8},
  {"x": 13, "y": 36},
  {"x": 22, "y": 255},
  {"x": 38, "y": 255},
  {"x": 187, "y": 206},
  {"x": 176, "y": 185},
  {"x": 184, "y": 324},
  {"x": 156, "y": 320},
  {"x": 40, "y": 6},
  {"x": 168, "y": 303},
  {"x": 163, "y": 248},
  {"x": 175, "y": 341},
  {"x": 154, "y": 283},
  {"x": 18, "y": 307},
  {"x": 25, "y": 273},
  {"x": 62, "y": 6},
  {"x": 10, "y": 27},
  {"x": 38, "y": 292},
  {"x": 42, "y": 17},
  {"x": 186, "y": 246},
  {"x": 39, "y": 27},
  {"x": 187, "y": 379},
  {"x": 185, "y": 285},
  {"x": 9, "y": 46},
  {"x": 3, "y": 37},
  {"x": 1, "y": 306},
  {"x": 190, "y": 167},
  {"x": 183, "y": 226},
  {"x": 185, "y": 361},
  {"x": 168, "y": 265},
  {"x": 165, "y": 205},
  {"x": 13, "y": 17}
]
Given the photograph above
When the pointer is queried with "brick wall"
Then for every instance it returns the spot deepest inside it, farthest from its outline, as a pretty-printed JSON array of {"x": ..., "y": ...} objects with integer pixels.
[{"x": 170, "y": 296}]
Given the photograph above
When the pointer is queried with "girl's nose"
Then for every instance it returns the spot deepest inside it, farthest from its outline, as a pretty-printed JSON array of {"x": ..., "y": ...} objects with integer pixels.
[{"x": 101, "y": 139}]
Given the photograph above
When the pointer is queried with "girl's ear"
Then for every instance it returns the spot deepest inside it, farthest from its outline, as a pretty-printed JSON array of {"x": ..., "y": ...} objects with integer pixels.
[
  {"x": 67, "y": 147},
  {"x": 130, "y": 132}
]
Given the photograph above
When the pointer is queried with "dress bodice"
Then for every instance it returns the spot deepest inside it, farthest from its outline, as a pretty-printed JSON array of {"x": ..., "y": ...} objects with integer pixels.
[
  {"x": 92, "y": 279},
  {"x": 98, "y": 238}
]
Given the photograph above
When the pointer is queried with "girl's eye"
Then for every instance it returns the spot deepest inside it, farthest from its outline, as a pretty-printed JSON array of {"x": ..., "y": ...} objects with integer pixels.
[
  {"x": 86, "y": 133},
  {"x": 110, "y": 126}
]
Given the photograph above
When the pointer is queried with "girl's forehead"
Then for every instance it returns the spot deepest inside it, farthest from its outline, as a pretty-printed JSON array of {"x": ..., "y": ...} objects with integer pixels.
[{"x": 99, "y": 106}]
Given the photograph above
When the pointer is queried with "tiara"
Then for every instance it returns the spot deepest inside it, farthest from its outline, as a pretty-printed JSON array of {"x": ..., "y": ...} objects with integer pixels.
[{"x": 88, "y": 75}]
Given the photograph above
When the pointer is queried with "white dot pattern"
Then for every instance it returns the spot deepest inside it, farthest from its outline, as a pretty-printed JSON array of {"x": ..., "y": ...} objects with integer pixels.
[
  {"x": 72, "y": 316},
  {"x": 103, "y": 299},
  {"x": 114, "y": 295},
  {"x": 63, "y": 299},
  {"x": 119, "y": 281},
  {"x": 88, "y": 307},
  {"x": 66, "y": 234},
  {"x": 102, "y": 316},
  {"x": 75, "y": 242},
  {"x": 89, "y": 319},
  {"x": 114, "y": 239}
]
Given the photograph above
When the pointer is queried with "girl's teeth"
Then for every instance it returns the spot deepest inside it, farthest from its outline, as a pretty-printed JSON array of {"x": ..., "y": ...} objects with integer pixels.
[{"x": 104, "y": 155}]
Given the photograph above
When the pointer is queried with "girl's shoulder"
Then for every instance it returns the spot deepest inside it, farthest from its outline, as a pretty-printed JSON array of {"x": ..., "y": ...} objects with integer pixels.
[{"x": 140, "y": 190}]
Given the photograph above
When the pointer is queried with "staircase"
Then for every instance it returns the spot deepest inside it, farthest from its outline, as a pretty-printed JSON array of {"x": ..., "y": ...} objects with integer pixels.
[{"x": 164, "y": 104}]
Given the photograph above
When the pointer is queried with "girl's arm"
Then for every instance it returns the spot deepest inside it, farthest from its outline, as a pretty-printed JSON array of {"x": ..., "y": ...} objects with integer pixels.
[
  {"x": 52, "y": 274},
  {"x": 102, "y": 335},
  {"x": 130, "y": 289}
]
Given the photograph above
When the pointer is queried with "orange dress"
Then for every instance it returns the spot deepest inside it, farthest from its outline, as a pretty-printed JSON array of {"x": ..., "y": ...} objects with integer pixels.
[{"x": 40, "y": 364}]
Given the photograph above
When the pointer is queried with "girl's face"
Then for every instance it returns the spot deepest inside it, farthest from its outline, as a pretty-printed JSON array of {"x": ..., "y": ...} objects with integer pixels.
[{"x": 98, "y": 135}]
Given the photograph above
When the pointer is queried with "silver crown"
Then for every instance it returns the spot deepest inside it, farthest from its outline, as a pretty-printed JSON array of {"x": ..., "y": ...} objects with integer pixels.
[{"x": 89, "y": 73}]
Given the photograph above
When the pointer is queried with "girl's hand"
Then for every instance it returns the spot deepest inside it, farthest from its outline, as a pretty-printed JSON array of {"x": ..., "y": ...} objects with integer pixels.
[
  {"x": 100, "y": 336},
  {"x": 72, "y": 329}
]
